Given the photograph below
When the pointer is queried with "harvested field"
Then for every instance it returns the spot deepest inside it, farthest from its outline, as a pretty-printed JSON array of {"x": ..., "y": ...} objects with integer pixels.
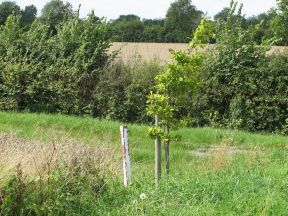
[{"x": 160, "y": 51}]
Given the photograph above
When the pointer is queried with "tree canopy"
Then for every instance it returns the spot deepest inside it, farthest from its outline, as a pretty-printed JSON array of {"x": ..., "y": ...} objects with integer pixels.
[
  {"x": 28, "y": 15},
  {"x": 179, "y": 25},
  {"x": 6, "y": 9},
  {"x": 181, "y": 19},
  {"x": 55, "y": 12},
  {"x": 127, "y": 28}
]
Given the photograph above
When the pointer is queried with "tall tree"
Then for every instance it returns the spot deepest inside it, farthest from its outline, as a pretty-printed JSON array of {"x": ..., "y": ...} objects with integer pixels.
[
  {"x": 128, "y": 28},
  {"x": 28, "y": 15},
  {"x": 6, "y": 9},
  {"x": 55, "y": 12},
  {"x": 223, "y": 14},
  {"x": 181, "y": 19},
  {"x": 153, "y": 30}
]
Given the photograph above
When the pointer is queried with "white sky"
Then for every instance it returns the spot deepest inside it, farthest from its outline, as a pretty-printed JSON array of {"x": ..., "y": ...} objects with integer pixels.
[{"x": 111, "y": 9}]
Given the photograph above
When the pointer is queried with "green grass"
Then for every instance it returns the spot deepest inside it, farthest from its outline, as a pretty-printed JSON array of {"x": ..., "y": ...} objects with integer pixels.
[{"x": 252, "y": 183}]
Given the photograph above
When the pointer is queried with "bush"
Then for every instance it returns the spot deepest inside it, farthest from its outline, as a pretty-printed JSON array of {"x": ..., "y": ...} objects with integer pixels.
[
  {"x": 71, "y": 72},
  {"x": 41, "y": 72},
  {"x": 122, "y": 90},
  {"x": 241, "y": 86}
]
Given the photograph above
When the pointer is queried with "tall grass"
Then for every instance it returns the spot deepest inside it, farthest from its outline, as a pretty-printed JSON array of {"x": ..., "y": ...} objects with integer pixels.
[{"x": 237, "y": 173}]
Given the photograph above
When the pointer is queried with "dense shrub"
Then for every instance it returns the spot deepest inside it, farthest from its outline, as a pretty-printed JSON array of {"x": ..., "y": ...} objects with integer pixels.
[
  {"x": 242, "y": 87},
  {"x": 123, "y": 89},
  {"x": 59, "y": 73},
  {"x": 71, "y": 72}
]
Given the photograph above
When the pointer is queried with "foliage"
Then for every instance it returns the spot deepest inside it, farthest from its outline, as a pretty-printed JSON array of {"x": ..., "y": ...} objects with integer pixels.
[
  {"x": 279, "y": 22},
  {"x": 128, "y": 28},
  {"x": 181, "y": 19},
  {"x": 173, "y": 88},
  {"x": 71, "y": 72},
  {"x": 6, "y": 9},
  {"x": 54, "y": 12},
  {"x": 122, "y": 89},
  {"x": 204, "y": 34},
  {"x": 261, "y": 26},
  {"x": 223, "y": 14},
  {"x": 64, "y": 191},
  {"x": 154, "y": 30},
  {"x": 237, "y": 82},
  {"x": 28, "y": 15},
  {"x": 57, "y": 73}
]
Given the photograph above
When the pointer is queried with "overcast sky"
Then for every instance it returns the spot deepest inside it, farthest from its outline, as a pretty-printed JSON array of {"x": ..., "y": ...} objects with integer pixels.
[{"x": 111, "y": 9}]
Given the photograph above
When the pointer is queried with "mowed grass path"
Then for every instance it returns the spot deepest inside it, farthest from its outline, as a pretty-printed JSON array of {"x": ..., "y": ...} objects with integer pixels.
[{"x": 213, "y": 171}]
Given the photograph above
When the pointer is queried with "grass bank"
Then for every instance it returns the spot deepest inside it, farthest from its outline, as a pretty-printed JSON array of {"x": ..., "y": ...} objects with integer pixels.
[{"x": 213, "y": 171}]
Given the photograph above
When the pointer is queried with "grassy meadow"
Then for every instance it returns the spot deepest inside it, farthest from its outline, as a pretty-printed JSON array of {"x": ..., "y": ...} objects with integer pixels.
[{"x": 213, "y": 171}]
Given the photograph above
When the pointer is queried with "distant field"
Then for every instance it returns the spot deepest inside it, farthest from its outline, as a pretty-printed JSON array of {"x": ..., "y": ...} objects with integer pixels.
[{"x": 149, "y": 51}]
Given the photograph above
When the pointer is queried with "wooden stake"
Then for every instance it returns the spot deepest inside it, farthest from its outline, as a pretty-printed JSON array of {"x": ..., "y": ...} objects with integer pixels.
[
  {"x": 125, "y": 154},
  {"x": 157, "y": 154},
  {"x": 167, "y": 146}
]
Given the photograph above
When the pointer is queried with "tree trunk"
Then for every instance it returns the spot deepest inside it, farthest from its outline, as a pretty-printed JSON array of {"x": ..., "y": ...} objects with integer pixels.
[{"x": 157, "y": 153}]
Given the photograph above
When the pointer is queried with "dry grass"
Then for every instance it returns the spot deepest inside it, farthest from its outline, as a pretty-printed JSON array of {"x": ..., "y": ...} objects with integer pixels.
[
  {"x": 160, "y": 51},
  {"x": 219, "y": 157},
  {"x": 41, "y": 158}
]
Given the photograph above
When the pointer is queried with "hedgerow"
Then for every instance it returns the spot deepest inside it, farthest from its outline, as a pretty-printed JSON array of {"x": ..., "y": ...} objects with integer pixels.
[
  {"x": 242, "y": 87},
  {"x": 52, "y": 73},
  {"x": 72, "y": 72}
]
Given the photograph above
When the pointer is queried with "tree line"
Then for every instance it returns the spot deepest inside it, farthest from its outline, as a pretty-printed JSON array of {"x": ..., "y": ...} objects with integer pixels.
[{"x": 180, "y": 22}]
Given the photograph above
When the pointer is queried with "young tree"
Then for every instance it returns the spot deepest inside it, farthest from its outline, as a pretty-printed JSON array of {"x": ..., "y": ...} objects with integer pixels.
[{"x": 173, "y": 88}]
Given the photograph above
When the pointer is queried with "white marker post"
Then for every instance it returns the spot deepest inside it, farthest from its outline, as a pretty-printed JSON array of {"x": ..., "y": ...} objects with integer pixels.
[{"x": 125, "y": 154}]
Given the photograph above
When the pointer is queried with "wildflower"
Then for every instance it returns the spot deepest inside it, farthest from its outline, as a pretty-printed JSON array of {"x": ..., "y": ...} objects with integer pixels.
[{"x": 142, "y": 196}]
